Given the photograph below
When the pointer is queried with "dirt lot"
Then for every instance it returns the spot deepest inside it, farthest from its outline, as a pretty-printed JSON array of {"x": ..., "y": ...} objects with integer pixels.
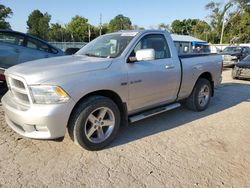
[{"x": 175, "y": 149}]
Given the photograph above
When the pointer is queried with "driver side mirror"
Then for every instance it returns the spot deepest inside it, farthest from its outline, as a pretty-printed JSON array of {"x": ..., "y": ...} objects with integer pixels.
[{"x": 143, "y": 55}]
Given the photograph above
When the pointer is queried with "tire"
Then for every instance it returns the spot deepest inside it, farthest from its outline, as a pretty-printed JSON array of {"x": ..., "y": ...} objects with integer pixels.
[
  {"x": 3, "y": 88},
  {"x": 94, "y": 123},
  {"x": 193, "y": 102}
]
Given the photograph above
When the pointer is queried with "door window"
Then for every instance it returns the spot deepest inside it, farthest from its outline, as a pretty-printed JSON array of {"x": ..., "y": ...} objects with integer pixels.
[
  {"x": 11, "y": 38},
  {"x": 156, "y": 42},
  {"x": 37, "y": 45}
]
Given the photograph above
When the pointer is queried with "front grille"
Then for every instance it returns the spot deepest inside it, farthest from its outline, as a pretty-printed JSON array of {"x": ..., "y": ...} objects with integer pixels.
[
  {"x": 245, "y": 72},
  {"x": 227, "y": 57},
  {"x": 18, "y": 90}
]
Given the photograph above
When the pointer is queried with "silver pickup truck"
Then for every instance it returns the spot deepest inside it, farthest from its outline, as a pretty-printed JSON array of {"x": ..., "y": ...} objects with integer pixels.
[{"x": 116, "y": 79}]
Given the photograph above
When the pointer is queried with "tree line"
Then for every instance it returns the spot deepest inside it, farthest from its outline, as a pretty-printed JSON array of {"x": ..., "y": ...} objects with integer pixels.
[{"x": 228, "y": 23}]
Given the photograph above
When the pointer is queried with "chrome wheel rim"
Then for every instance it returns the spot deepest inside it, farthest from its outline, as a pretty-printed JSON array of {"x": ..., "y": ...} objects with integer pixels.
[
  {"x": 99, "y": 125},
  {"x": 203, "y": 96}
]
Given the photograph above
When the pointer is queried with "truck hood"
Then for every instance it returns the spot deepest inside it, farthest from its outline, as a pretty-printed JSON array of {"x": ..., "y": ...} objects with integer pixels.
[{"x": 39, "y": 71}]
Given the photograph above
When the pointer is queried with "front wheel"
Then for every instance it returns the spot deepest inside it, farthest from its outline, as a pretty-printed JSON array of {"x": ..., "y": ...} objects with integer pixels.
[
  {"x": 201, "y": 95},
  {"x": 94, "y": 123}
]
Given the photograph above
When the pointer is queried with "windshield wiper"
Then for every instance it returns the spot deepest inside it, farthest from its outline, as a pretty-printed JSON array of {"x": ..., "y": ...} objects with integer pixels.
[{"x": 93, "y": 55}]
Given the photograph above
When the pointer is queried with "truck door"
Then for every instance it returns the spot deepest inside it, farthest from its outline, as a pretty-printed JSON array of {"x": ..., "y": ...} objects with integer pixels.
[{"x": 153, "y": 82}]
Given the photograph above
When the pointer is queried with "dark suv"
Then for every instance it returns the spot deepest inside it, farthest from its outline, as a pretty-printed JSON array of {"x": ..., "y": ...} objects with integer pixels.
[{"x": 234, "y": 54}]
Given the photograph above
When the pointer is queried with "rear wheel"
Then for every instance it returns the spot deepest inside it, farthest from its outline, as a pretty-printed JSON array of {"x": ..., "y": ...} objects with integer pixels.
[
  {"x": 201, "y": 95},
  {"x": 94, "y": 123}
]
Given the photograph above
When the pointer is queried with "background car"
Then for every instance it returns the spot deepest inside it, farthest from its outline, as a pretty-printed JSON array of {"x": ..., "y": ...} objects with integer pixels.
[
  {"x": 234, "y": 54},
  {"x": 71, "y": 51},
  {"x": 242, "y": 69},
  {"x": 16, "y": 48}
]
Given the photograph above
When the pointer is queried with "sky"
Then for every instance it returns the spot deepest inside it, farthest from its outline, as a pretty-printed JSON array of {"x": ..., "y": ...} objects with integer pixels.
[{"x": 145, "y": 13}]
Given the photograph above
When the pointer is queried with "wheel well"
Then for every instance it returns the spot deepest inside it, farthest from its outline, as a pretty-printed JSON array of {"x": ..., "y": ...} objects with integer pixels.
[
  {"x": 113, "y": 96},
  {"x": 208, "y": 76}
]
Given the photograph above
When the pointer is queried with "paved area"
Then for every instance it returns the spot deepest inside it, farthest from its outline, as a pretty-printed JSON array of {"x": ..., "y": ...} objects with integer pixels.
[{"x": 175, "y": 149}]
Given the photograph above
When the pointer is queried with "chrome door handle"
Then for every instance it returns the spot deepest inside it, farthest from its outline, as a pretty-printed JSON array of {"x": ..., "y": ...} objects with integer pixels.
[{"x": 169, "y": 66}]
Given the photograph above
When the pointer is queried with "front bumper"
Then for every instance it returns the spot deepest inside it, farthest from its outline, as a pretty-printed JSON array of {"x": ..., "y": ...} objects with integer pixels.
[
  {"x": 243, "y": 73},
  {"x": 229, "y": 63},
  {"x": 37, "y": 121}
]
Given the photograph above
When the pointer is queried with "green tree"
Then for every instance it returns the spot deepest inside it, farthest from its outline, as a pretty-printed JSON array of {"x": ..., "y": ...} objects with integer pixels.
[
  {"x": 177, "y": 27},
  {"x": 184, "y": 27},
  {"x": 105, "y": 28},
  {"x": 5, "y": 12},
  {"x": 225, "y": 13},
  {"x": 78, "y": 29},
  {"x": 165, "y": 27},
  {"x": 120, "y": 22},
  {"x": 202, "y": 30},
  {"x": 217, "y": 17},
  {"x": 58, "y": 33},
  {"x": 38, "y": 24},
  {"x": 238, "y": 29}
]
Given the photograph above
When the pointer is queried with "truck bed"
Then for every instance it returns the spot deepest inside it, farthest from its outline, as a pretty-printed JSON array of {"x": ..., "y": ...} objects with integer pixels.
[{"x": 199, "y": 63}]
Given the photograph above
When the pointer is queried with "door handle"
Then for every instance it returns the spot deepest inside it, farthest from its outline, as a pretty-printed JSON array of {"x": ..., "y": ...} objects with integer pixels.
[{"x": 169, "y": 66}]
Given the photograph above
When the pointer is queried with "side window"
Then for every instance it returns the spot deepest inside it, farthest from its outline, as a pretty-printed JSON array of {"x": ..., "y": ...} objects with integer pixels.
[
  {"x": 37, "y": 45},
  {"x": 53, "y": 50},
  {"x": 156, "y": 42},
  {"x": 11, "y": 38}
]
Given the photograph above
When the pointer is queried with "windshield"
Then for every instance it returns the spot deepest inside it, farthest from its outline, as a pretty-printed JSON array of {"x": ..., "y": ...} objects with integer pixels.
[
  {"x": 247, "y": 58},
  {"x": 107, "y": 46},
  {"x": 232, "y": 49}
]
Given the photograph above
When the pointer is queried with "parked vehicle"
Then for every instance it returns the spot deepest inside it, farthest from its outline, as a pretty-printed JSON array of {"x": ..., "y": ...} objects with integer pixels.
[
  {"x": 71, "y": 51},
  {"x": 242, "y": 69},
  {"x": 16, "y": 48},
  {"x": 233, "y": 54},
  {"x": 117, "y": 78}
]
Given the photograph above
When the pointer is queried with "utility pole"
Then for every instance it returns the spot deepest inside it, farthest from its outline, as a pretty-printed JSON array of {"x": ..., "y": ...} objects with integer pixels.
[
  {"x": 100, "y": 24},
  {"x": 89, "y": 32},
  {"x": 222, "y": 31}
]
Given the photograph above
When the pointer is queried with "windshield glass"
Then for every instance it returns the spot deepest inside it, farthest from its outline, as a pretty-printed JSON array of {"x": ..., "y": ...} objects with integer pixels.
[
  {"x": 247, "y": 58},
  {"x": 107, "y": 46},
  {"x": 232, "y": 49}
]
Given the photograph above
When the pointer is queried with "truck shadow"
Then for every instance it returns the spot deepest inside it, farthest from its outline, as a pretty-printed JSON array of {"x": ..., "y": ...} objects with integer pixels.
[{"x": 226, "y": 96}]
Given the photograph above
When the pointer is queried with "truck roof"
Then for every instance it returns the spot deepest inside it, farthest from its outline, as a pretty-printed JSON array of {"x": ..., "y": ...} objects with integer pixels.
[{"x": 141, "y": 31}]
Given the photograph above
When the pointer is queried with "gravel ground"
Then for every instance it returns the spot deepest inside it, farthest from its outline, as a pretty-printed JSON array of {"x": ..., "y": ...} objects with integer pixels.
[{"x": 180, "y": 148}]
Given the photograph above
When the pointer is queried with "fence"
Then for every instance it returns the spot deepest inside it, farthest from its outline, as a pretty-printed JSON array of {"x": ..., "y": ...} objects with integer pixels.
[{"x": 64, "y": 45}]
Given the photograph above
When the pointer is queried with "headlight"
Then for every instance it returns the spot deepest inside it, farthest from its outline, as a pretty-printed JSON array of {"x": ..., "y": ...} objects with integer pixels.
[
  {"x": 48, "y": 94},
  {"x": 234, "y": 57}
]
